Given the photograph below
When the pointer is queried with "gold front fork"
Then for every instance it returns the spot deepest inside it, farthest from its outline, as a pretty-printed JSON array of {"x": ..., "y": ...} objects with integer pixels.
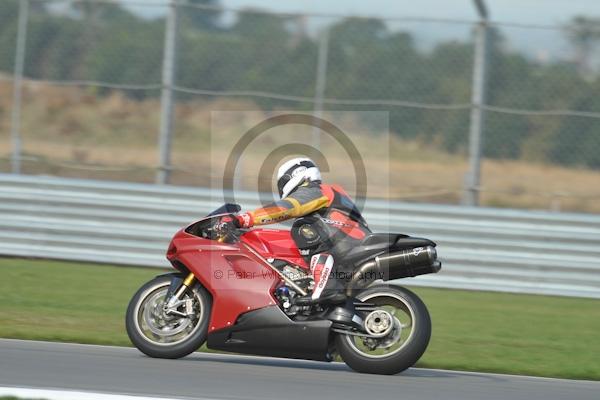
[{"x": 187, "y": 282}]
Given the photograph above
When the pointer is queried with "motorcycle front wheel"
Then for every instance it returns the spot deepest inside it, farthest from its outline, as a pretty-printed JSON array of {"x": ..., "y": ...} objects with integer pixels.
[
  {"x": 160, "y": 333},
  {"x": 408, "y": 324}
]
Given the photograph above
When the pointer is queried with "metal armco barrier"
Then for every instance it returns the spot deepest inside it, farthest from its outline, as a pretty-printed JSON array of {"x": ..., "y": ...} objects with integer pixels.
[{"x": 131, "y": 224}]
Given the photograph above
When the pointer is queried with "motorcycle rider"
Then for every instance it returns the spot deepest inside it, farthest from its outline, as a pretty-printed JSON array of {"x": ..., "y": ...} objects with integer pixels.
[{"x": 327, "y": 225}]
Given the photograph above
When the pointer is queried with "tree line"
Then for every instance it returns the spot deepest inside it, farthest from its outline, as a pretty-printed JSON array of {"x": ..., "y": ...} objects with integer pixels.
[{"x": 367, "y": 60}]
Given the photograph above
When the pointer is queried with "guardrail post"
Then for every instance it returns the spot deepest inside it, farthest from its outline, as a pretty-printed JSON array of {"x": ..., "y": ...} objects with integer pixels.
[
  {"x": 320, "y": 82},
  {"x": 166, "y": 101},
  {"x": 472, "y": 181},
  {"x": 15, "y": 124}
]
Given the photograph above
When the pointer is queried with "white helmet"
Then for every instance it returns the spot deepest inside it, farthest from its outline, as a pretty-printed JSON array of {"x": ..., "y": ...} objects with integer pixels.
[{"x": 295, "y": 172}]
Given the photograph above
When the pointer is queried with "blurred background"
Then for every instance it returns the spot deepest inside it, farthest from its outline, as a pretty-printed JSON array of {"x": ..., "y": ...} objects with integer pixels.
[
  {"x": 500, "y": 112},
  {"x": 108, "y": 146}
]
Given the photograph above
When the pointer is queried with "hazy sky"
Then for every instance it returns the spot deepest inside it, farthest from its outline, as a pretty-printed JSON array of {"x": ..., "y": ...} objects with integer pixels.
[
  {"x": 541, "y": 44},
  {"x": 526, "y": 11},
  {"x": 534, "y": 11}
]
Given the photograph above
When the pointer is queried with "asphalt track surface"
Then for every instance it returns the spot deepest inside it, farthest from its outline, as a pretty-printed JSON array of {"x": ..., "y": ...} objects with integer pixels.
[{"x": 217, "y": 376}]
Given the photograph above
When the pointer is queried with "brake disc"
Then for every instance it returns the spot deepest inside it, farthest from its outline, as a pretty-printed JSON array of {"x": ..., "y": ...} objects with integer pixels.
[
  {"x": 161, "y": 324},
  {"x": 392, "y": 337}
]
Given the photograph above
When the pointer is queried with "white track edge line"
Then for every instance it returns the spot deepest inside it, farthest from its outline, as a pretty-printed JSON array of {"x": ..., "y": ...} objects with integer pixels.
[{"x": 56, "y": 394}]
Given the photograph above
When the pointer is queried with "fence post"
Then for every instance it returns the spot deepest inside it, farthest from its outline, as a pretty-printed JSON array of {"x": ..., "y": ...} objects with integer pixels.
[
  {"x": 15, "y": 124},
  {"x": 472, "y": 182},
  {"x": 166, "y": 100},
  {"x": 320, "y": 83}
]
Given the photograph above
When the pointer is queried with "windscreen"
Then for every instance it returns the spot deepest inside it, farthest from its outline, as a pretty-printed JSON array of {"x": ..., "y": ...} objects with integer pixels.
[{"x": 227, "y": 208}]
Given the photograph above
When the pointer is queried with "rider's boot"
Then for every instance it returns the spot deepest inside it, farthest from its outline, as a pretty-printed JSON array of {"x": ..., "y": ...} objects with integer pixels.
[{"x": 327, "y": 289}]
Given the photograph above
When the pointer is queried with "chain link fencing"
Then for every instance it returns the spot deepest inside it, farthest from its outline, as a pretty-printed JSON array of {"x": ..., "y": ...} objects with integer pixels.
[{"x": 93, "y": 76}]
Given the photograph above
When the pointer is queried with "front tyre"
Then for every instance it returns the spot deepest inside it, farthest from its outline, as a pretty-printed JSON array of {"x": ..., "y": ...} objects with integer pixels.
[
  {"x": 402, "y": 346},
  {"x": 162, "y": 334}
]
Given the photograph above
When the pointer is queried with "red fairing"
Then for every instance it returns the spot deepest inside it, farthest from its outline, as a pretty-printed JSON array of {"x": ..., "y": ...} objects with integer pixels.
[
  {"x": 236, "y": 279},
  {"x": 275, "y": 243}
]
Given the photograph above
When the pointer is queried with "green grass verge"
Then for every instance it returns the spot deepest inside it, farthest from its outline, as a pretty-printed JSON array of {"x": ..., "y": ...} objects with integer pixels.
[
  {"x": 478, "y": 331},
  {"x": 15, "y": 398}
]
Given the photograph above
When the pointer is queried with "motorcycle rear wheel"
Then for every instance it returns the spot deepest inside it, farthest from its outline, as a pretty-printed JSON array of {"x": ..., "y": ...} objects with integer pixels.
[
  {"x": 161, "y": 335},
  {"x": 402, "y": 347}
]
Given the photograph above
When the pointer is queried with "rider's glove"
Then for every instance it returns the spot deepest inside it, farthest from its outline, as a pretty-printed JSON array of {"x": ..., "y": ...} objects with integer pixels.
[
  {"x": 232, "y": 222},
  {"x": 228, "y": 224},
  {"x": 244, "y": 220}
]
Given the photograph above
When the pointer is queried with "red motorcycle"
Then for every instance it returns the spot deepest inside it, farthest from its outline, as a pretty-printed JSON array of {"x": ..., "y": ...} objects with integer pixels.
[{"x": 235, "y": 291}]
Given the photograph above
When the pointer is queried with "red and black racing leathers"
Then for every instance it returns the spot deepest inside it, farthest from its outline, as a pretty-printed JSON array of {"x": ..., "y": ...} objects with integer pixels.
[
  {"x": 330, "y": 202},
  {"x": 329, "y": 225}
]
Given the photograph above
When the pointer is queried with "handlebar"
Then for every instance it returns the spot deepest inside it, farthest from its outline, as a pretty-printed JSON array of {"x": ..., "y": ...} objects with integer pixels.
[{"x": 224, "y": 235}]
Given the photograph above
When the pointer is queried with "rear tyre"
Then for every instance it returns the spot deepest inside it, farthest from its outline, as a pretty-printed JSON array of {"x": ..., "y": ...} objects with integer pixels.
[
  {"x": 166, "y": 335},
  {"x": 402, "y": 347}
]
